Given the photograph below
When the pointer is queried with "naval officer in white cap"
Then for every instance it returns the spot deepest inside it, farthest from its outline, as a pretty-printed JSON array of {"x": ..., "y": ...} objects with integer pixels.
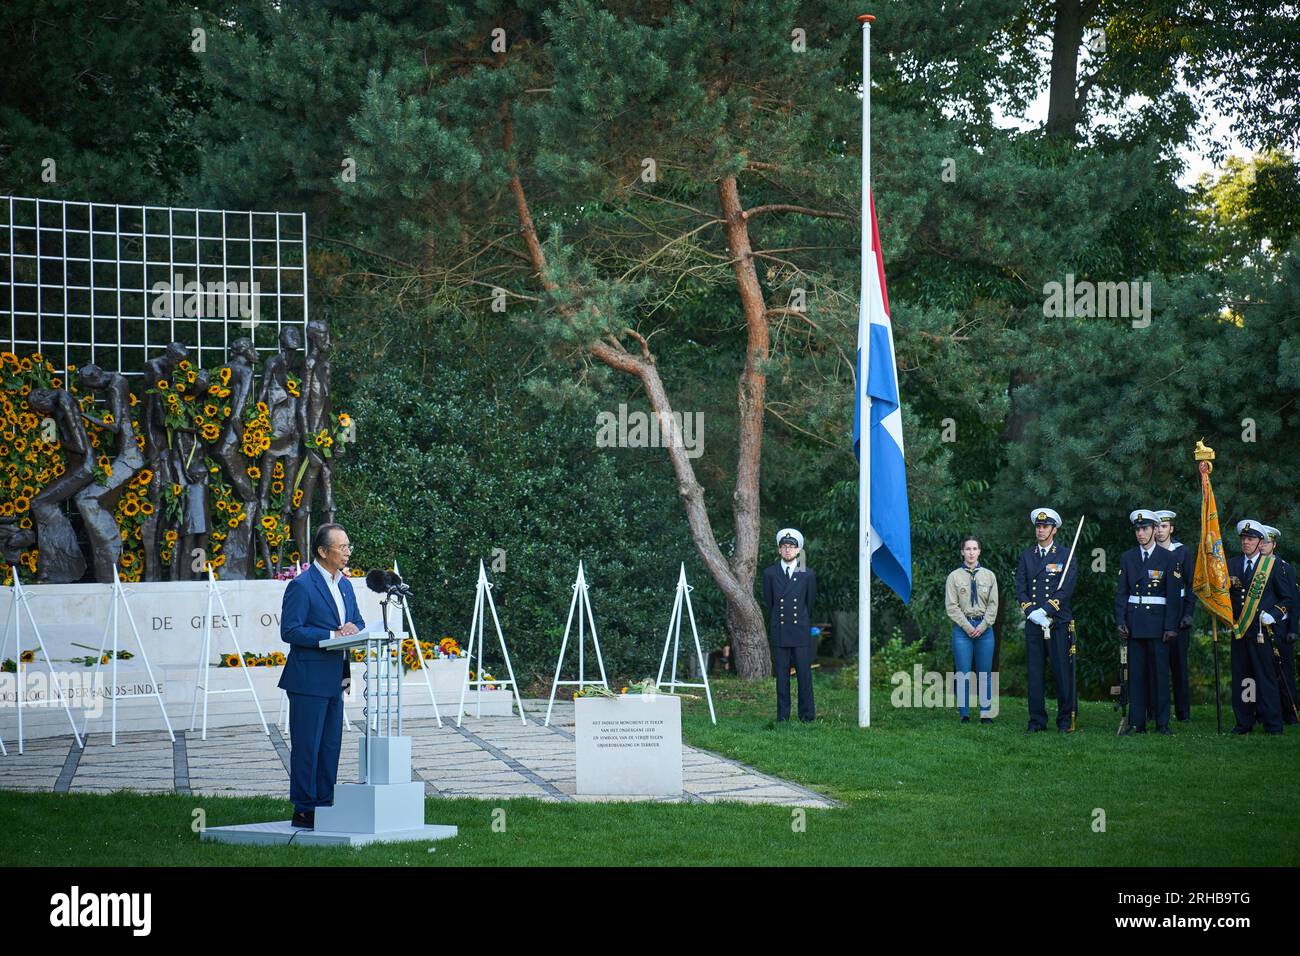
[
  {"x": 1255, "y": 604},
  {"x": 1148, "y": 607},
  {"x": 790, "y": 593},
  {"x": 1044, "y": 588},
  {"x": 1181, "y": 645}
]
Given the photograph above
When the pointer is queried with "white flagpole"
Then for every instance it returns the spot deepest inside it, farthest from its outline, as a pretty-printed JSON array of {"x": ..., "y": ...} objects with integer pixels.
[{"x": 864, "y": 399}]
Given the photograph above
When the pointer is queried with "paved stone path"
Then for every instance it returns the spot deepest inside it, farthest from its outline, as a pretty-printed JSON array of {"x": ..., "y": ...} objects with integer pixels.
[{"x": 489, "y": 758}]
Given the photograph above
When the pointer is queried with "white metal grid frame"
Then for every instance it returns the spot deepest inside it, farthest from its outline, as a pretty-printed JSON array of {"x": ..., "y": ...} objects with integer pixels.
[{"x": 78, "y": 280}]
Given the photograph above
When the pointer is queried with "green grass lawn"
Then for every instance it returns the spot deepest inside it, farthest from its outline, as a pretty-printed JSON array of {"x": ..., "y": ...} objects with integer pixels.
[{"x": 918, "y": 789}]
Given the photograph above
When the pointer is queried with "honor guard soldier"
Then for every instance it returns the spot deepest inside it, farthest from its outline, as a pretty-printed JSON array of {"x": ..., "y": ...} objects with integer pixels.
[
  {"x": 1255, "y": 604},
  {"x": 1181, "y": 646},
  {"x": 1044, "y": 588},
  {"x": 1284, "y": 633},
  {"x": 1148, "y": 609},
  {"x": 790, "y": 593}
]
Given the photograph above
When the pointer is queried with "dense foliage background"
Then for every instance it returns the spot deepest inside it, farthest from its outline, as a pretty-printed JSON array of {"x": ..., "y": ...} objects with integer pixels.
[{"x": 478, "y": 426}]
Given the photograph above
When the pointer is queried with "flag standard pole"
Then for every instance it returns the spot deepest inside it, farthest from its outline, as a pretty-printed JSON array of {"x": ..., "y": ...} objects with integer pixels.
[{"x": 864, "y": 397}]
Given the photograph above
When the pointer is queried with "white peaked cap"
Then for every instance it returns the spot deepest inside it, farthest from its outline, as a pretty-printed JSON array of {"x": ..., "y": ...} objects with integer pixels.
[{"x": 790, "y": 532}]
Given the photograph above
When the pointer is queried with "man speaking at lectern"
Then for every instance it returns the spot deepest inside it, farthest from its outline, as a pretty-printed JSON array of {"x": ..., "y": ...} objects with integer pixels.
[{"x": 318, "y": 605}]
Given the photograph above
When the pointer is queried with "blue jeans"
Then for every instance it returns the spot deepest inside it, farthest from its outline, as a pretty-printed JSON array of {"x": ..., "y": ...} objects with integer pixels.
[{"x": 965, "y": 648}]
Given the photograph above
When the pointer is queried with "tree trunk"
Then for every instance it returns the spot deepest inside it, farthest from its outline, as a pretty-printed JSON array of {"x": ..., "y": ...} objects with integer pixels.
[
  {"x": 736, "y": 580},
  {"x": 751, "y": 654},
  {"x": 1063, "y": 105}
]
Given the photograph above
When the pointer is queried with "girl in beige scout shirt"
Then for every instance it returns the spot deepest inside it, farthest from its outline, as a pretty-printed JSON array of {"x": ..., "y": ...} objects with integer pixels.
[{"x": 971, "y": 597}]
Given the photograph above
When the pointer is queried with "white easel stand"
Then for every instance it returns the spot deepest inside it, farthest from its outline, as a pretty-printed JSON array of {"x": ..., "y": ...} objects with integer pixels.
[
  {"x": 424, "y": 667},
  {"x": 205, "y": 653},
  {"x": 674, "y": 640},
  {"x": 119, "y": 593},
  {"x": 482, "y": 595},
  {"x": 579, "y": 589},
  {"x": 20, "y": 598}
]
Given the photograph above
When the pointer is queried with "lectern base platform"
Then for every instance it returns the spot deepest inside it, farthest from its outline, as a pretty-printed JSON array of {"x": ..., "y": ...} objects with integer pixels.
[{"x": 281, "y": 833}]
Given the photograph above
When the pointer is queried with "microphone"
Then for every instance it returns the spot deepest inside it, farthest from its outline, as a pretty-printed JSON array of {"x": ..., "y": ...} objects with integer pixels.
[
  {"x": 395, "y": 583},
  {"x": 377, "y": 580}
]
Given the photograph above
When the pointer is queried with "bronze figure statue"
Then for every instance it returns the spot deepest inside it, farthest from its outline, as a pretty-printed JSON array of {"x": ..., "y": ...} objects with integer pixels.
[
  {"x": 156, "y": 448},
  {"x": 97, "y": 502},
  {"x": 314, "y": 415},
  {"x": 61, "y": 560},
  {"x": 238, "y": 548},
  {"x": 286, "y": 429}
]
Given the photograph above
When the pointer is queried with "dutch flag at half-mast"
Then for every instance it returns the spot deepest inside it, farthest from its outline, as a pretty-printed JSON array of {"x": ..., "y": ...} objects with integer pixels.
[{"x": 891, "y": 534}]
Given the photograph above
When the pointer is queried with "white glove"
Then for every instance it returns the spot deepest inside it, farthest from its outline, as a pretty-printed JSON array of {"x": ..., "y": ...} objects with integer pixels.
[
  {"x": 1039, "y": 617},
  {"x": 1266, "y": 618}
]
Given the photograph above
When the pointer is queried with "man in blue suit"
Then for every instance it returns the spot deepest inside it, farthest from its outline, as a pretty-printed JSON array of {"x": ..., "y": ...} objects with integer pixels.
[{"x": 318, "y": 605}]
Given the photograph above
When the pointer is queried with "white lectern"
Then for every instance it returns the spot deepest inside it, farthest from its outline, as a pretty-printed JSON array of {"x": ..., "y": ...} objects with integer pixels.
[{"x": 385, "y": 805}]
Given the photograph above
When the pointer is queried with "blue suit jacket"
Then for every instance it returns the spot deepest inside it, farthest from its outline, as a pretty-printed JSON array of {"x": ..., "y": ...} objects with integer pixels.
[{"x": 307, "y": 617}]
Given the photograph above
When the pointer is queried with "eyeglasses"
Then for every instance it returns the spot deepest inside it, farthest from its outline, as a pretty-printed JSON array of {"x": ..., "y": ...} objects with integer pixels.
[{"x": 347, "y": 548}]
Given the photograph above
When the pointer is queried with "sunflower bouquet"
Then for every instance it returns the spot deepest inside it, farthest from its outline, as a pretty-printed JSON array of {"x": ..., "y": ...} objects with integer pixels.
[
  {"x": 332, "y": 438},
  {"x": 30, "y": 456},
  {"x": 253, "y": 659}
]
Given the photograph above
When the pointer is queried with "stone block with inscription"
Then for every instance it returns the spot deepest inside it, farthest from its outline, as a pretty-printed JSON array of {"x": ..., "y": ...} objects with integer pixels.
[{"x": 629, "y": 745}]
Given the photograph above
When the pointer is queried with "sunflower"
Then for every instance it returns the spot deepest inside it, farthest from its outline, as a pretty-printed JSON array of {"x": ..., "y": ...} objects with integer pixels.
[
  {"x": 163, "y": 384},
  {"x": 128, "y": 559},
  {"x": 170, "y": 536},
  {"x": 211, "y": 432},
  {"x": 232, "y": 660},
  {"x": 254, "y": 472},
  {"x": 234, "y": 522},
  {"x": 146, "y": 508},
  {"x": 144, "y": 477},
  {"x": 131, "y": 509},
  {"x": 21, "y": 504},
  {"x": 277, "y": 487},
  {"x": 345, "y": 420},
  {"x": 270, "y": 522}
]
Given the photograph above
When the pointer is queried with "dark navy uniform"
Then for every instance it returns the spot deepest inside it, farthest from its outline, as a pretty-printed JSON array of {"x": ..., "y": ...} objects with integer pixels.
[
  {"x": 790, "y": 599},
  {"x": 1181, "y": 646},
  {"x": 1284, "y": 633},
  {"x": 1149, "y": 605},
  {"x": 1251, "y": 654},
  {"x": 1039, "y": 584}
]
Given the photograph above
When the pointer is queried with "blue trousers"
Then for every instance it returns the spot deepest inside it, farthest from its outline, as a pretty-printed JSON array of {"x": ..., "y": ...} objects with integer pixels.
[
  {"x": 979, "y": 651},
  {"x": 1286, "y": 689},
  {"x": 1250, "y": 659},
  {"x": 316, "y": 737},
  {"x": 1038, "y": 652},
  {"x": 1148, "y": 668},
  {"x": 801, "y": 657}
]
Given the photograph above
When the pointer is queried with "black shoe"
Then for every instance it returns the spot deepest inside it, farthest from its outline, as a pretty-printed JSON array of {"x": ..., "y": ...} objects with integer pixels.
[
  {"x": 1274, "y": 733},
  {"x": 1184, "y": 720},
  {"x": 1164, "y": 730},
  {"x": 1138, "y": 730},
  {"x": 1240, "y": 731},
  {"x": 986, "y": 720},
  {"x": 304, "y": 820},
  {"x": 805, "y": 720},
  {"x": 965, "y": 720},
  {"x": 1031, "y": 729}
]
